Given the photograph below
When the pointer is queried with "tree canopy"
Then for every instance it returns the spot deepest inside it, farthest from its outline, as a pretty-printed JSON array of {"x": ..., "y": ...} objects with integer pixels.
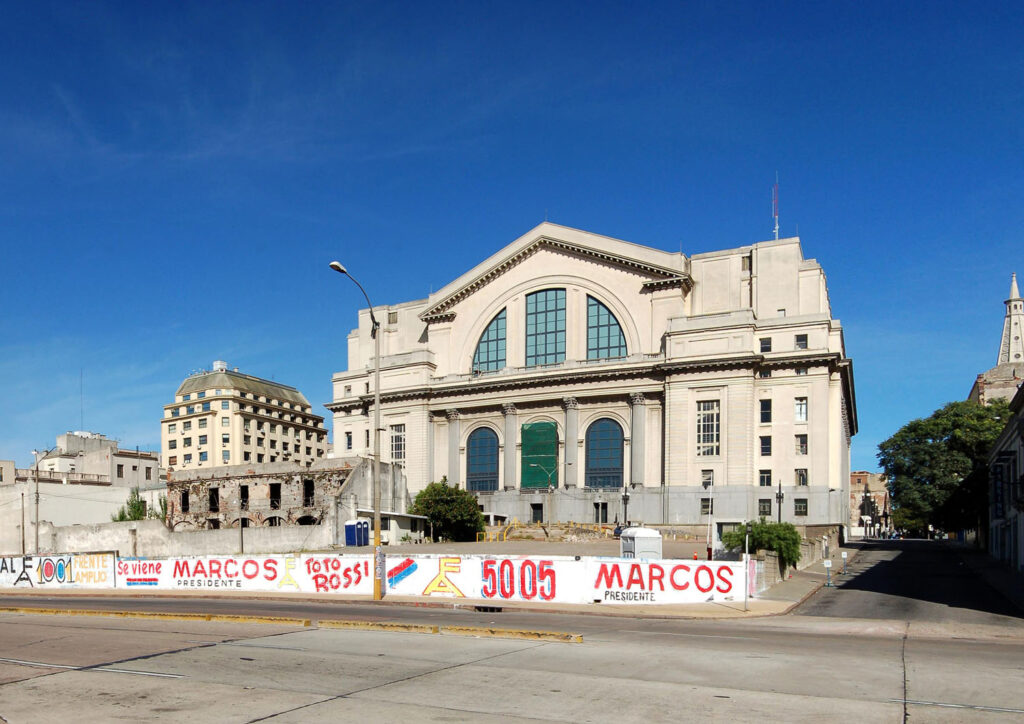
[
  {"x": 453, "y": 512},
  {"x": 936, "y": 466},
  {"x": 783, "y": 538}
]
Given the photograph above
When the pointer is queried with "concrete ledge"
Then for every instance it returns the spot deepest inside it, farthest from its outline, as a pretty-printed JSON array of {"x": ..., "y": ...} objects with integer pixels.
[
  {"x": 510, "y": 633},
  {"x": 380, "y": 626},
  {"x": 221, "y": 618}
]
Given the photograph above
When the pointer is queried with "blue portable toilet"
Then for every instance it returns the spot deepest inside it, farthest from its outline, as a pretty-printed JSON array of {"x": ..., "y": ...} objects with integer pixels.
[
  {"x": 351, "y": 532},
  {"x": 363, "y": 533}
]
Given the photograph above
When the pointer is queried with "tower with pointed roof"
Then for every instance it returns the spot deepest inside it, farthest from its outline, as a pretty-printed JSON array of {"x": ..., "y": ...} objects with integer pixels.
[{"x": 1001, "y": 382}]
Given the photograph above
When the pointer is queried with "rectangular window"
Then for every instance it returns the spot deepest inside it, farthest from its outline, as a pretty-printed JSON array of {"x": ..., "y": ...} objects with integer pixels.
[
  {"x": 545, "y": 327},
  {"x": 707, "y": 506},
  {"x": 275, "y": 496},
  {"x": 348, "y": 391},
  {"x": 247, "y": 439},
  {"x": 348, "y": 440},
  {"x": 202, "y": 424},
  {"x": 243, "y": 497},
  {"x": 800, "y": 409},
  {"x": 801, "y": 341},
  {"x": 307, "y": 493},
  {"x": 186, "y": 398},
  {"x": 200, "y": 395},
  {"x": 149, "y": 473},
  {"x": 764, "y": 507},
  {"x": 120, "y": 470},
  {"x": 172, "y": 428},
  {"x": 245, "y": 425},
  {"x": 367, "y": 443},
  {"x": 764, "y": 478},
  {"x": 203, "y": 457},
  {"x": 799, "y": 506},
  {"x": 781, "y": 312},
  {"x": 708, "y": 428},
  {"x": 225, "y": 439},
  {"x": 800, "y": 371},
  {"x": 188, "y": 458},
  {"x": 392, "y": 317},
  {"x": 172, "y": 444},
  {"x": 801, "y": 476},
  {"x": 801, "y": 444},
  {"x": 398, "y": 443},
  {"x": 766, "y": 344},
  {"x": 225, "y": 422},
  {"x": 187, "y": 425},
  {"x": 214, "y": 500},
  {"x": 202, "y": 440},
  {"x": 225, "y": 455},
  {"x": 764, "y": 374},
  {"x": 190, "y": 409},
  {"x": 187, "y": 442},
  {"x": 172, "y": 460},
  {"x": 766, "y": 444},
  {"x": 175, "y": 412},
  {"x": 707, "y": 478},
  {"x": 206, "y": 407},
  {"x": 184, "y": 501},
  {"x": 225, "y": 405},
  {"x": 766, "y": 411},
  {"x": 536, "y": 512},
  {"x": 246, "y": 456},
  {"x": 273, "y": 444},
  {"x": 259, "y": 457}
]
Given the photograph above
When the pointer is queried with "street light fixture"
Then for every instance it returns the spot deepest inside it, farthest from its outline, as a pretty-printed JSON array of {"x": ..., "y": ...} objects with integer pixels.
[
  {"x": 377, "y": 552},
  {"x": 547, "y": 472},
  {"x": 38, "y": 456},
  {"x": 779, "y": 496},
  {"x": 625, "y": 506}
]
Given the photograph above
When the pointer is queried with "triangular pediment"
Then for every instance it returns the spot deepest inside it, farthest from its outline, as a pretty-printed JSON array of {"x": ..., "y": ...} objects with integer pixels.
[{"x": 660, "y": 268}]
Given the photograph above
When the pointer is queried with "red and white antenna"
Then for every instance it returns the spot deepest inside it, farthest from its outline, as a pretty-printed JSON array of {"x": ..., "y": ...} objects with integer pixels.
[{"x": 775, "y": 204}]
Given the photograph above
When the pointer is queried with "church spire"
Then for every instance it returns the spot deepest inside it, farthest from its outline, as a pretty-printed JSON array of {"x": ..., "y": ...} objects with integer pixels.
[{"x": 1011, "y": 346}]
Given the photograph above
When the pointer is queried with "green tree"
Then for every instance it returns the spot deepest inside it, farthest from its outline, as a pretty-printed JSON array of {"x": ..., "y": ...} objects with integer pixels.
[
  {"x": 936, "y": 466},
  {"x": 452, "y": 512},
  {"x": 782, "y": 538},
  {"x": 133, "y": 509}
]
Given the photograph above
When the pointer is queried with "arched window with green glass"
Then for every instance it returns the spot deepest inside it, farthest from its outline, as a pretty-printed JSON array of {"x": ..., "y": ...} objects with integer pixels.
[
  {"x": 545, "y": 327},
  {"x": 604, "y": 335},
  {"x": 604, "y": 446},
  {"x": 490, "y": 350}
]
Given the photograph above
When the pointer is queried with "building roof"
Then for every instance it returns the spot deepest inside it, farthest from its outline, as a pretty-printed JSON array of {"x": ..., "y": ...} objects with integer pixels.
[{"x": 246, "y": 383}]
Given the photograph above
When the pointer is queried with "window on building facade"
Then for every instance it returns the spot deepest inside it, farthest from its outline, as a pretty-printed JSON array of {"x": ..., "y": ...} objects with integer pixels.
[
  {"x": 604, "y": 335},
  {"x": 175, "y": 412},
  {"x": 172, "y": 460},
  {"x": 766, "y": 344},
  {"x": 764, "y": 507},
  {"x": 186, "y": 398},
  {"x": 801, "y": 341},
  {"x": 259, "y": 457},
  {"x": 200, "y": 395},
  {"x": 225, "y": 422},
  {"x": 800, "y": 476},
  {"x": 348, "y": 440},
  {"x": 149, "y": 473},
  {"x": 799, "y": 506},
  {"x": 214, "y": 498},
  {"x": 707, "y": 478},
  {"x": 539, "y": 456},
  {"x": 801, "y": 444},
  {"x": 490, "y": 350},
  {"x": 275, "y": 496},
  {"x": 764, "y": 478},
  {"x": 243, "y": 497},
  {"x": 800, "y": 371},
  {"x": 186, "y": 426},
  {"x": 708, "y": 428},
  {"x": 482, "y": 460},
  {"x": 203, "y": 457},
  {"x": 187, "y": 459},
  {"x": 604, "y": 454},
  {"x": 172, "y": 428},
  {"x": 707, "y": 506},
  {"x": 202, "y": 439},
  {"x": 800, "y": 409},
  {"x": 206, "y": 407},
  {"x": 190, "y": 409},
  {"x": 392, "y": 317},
  {"x": 246, "y": 456},
  {"x": 308, "y": 493},
  {"x": 225, "y": 455},
  {"x": 766, "y": 411},
  {"x": 172, "y": 444},
  {"x": 764, "y": 374},
  {"x": 367, "y": 442},
  {"x": 187, "y": 442},
  {"x": 202, "y": 424},
  {"x": 184, "y": 501},
  {"x": 398, "y": 443},
  {"x": 225, "y": 405},
  {"x": 545, "y": 327},
  {"x": 225, "y": 438},
  {"x": 120, "y": 470},
  {"x": 766, "y": 444}
]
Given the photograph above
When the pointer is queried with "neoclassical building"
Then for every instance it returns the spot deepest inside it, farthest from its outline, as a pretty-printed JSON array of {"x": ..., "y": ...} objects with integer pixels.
[{"x": 569, "y": 368}]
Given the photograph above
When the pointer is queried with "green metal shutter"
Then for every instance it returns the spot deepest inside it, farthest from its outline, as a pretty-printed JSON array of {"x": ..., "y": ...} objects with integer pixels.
[{"x": 539, "y": 454}]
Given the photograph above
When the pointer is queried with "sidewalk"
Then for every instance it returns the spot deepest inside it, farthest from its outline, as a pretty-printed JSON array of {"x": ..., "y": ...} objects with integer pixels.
[
  {"x": 778, "y": 600},
  {"x": 995, "y": 574}
]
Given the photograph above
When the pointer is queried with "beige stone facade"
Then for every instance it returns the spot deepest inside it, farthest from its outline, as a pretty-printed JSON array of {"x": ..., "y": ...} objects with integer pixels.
[
  {"x": 224, "y": 417},
  {"x": 869, "y": 498},
  {"x": 569, "y": 367}
]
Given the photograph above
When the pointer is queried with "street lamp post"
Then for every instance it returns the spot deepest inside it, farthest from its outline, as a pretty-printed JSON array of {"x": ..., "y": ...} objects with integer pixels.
[
  {"x": 547, "y": 472},
  {"x": 375, "y": 329},
  {"x": 779, "y": 496},
  {"x": 625, "y": 507},
  {"x": 709, "y": 485},
  {"x": 37, "y": 455}
]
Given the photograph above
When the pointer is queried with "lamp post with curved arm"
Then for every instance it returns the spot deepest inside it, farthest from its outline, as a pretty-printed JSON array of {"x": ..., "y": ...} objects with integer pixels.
[
  {"x": 38, "y": 456},
  {"x": 337, "y": 266}
]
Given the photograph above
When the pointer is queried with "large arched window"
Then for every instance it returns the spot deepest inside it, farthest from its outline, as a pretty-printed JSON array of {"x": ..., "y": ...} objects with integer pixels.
[
  {"x": 604, "y": 454},
  {"x": 604, "y": 335},
  {"x": 482, "y": 461},
  {"x": 545, "y": 327},
  {"x": 490, "y": 350}
]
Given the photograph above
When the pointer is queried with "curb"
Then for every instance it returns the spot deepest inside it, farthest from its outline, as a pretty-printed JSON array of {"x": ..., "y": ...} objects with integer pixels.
[
  {"x": 214, "y": 617},
  {"x": 509, "y": 633},
  {"x": 379, "y": 626}
]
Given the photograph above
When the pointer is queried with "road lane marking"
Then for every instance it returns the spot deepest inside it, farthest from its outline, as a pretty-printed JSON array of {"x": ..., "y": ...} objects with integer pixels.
[
  {"x": 946, "y": 705},
  {"x": 67, "y": 667}
]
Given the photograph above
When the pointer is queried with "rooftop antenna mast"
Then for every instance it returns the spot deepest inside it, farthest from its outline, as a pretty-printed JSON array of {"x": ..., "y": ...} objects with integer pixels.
[{"x": 775, "y": 205}]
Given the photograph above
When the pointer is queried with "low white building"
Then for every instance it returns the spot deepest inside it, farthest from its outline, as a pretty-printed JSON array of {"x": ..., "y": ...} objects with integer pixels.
[{"x": 569, "y": 368}]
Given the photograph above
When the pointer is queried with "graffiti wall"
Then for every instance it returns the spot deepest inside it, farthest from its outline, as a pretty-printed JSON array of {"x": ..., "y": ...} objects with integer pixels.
[
  {"x": 85, "y": 570},
  {"x": 554, "y": 579},
  {"x": 305, "y": 573}
]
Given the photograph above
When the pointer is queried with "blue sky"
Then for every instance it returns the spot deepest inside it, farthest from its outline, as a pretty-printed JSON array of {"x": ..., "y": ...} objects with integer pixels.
[{"x": 176, "y": 177}]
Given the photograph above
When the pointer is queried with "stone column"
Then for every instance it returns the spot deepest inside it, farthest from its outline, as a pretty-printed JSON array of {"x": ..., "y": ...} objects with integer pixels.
[
  {"x": 454, "y": 470},
  {"x": 430, "y": 448},
  {"x": 511, "y": 434},
  {"x": 572, "y": 424},
  {"x": 638, "y": 419}
]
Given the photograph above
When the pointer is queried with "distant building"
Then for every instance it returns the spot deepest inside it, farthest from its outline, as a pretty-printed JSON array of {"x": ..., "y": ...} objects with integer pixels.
[
  {"x": 570, "y": 368},
  {"x": 1006, "y": 490},
  {"x": 1001, "y": 382},
  {"x": 89, "y": 457},
  {"x": 223, "y": 417},
  {"x": 870, "y": 512}
]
